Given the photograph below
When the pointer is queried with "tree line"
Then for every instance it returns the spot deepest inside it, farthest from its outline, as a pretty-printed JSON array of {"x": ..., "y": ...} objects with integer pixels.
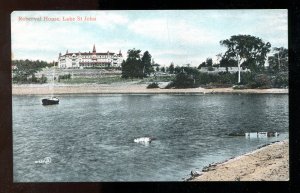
[
  {"x": 24, "y": 71},
  {"x": 243, "y": 51}
]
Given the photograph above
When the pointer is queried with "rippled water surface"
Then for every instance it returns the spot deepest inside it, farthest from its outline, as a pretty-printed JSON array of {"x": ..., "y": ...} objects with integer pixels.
[{"x": 90, "y": 137}]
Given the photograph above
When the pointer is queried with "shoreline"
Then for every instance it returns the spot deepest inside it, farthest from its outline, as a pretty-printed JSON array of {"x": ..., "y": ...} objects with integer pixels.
[
  {"x": 125, "y": 88},
  {"x": 269, "y": 162}
]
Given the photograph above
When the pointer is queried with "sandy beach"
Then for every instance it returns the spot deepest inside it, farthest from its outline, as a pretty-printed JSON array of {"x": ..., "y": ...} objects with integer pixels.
[
  {"x": 269, "y": 163},
  {"x": 124, "y": 88}
]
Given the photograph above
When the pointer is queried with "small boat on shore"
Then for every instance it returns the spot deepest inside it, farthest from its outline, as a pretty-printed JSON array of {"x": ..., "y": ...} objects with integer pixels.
[{"x": 50, "y": 101}]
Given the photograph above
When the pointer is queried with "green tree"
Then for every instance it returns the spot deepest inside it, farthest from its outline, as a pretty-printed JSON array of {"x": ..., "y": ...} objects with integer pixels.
[
  {"x": 248, "y": 50},
  {"x": 209, "y": 62},
  {"x": 191, "y": 71},
  {"x": 163, "y": 69},
  {"x": 183, "y": 80},
  {"x": 125, "y": 69},
  {"x": 157, "y": 68},
  {"x": 146, "y": 62},
  {"x": 171, "y": 68},
  {"x": 278, "y": 62},
  {"x": 177, "y": 69},
  {"x": 203, "y": 64},
  {"x": 187, "y": 78},
  {"x": 133, "y": 66}
]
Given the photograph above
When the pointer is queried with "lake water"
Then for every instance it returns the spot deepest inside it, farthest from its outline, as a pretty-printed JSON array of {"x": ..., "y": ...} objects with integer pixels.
[{"x": 90, "y": 137}]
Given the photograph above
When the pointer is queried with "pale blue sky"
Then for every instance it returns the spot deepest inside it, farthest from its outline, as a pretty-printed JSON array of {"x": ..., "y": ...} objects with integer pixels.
[{"x": 185, "y": 36}]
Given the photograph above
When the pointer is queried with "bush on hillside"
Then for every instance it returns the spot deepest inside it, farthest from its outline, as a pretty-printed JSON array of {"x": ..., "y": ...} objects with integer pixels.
[
  {"x": 184, "y": 80},
  {"x": 32, "y": 80},
  {"x": 153, "y": 85},
  {"x": 262, "y": 81},
  {"x": 65, "y": 76},
  {"x": 280, "y": 80}
]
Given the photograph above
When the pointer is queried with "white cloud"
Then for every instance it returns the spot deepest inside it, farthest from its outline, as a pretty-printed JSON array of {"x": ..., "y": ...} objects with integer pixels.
[
  {"x": 172, "y": 31},
  {"x": 153, "y": 28},
  {"x": 272, "y": 27},
  {"x": 173, "y": 52},
  {"x": 47, "y": 38}
]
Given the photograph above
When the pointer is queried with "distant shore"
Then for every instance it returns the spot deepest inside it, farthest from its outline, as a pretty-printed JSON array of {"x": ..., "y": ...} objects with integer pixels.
[
  {"x": 125, "y": 88},
  {"x": 269, "y": 163}
]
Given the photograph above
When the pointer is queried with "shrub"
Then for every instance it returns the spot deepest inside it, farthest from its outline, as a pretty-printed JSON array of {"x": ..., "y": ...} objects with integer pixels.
[
  {"x": 261, "y": 81},
  {"x": 226, "y": 78},
  {"x": 184, "y": 80},
  {"x": 65, "y": 76},
  {"x": 19, "y": 79},
  {"x": 246, "y": 78},
  {"x": 206, "y": 78},
  {"x": 170, "y": 85},
  {"x": 32, "y": 80},
  {"x": 153, "y": 85},
  {"x": 280, "y": 80}
]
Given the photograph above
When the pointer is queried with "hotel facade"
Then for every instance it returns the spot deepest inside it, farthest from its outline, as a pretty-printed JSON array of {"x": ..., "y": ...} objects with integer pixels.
[{"x": 90, "y": 59}]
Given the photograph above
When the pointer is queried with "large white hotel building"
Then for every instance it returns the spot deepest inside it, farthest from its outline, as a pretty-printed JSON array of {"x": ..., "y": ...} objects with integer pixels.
[{"x": 90, "y": 59}]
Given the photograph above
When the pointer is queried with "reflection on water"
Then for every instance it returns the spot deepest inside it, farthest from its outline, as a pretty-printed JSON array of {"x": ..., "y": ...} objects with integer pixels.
[{"x": 91, "y": 138}]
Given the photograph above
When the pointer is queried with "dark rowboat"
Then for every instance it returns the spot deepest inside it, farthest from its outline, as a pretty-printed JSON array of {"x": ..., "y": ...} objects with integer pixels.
[{"x": 50, "y": 101}]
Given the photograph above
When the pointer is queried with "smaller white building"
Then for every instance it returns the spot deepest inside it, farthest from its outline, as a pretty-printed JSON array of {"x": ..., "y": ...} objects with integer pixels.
[
  {"x": 223, "y": 69},
  {"x": 90, "y": 59}
]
